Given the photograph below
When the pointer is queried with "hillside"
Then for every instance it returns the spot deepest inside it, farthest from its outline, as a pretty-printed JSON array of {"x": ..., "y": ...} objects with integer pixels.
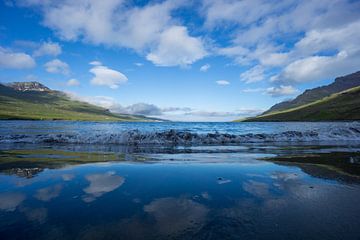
[
  {"x": 338, "y": 106},
  {"x": 340, "y": 84},
  {"x": 34, "y": 101}
]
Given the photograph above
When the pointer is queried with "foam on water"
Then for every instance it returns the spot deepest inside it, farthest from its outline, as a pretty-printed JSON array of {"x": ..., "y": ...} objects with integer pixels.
[{"x": 136, "y": 137}]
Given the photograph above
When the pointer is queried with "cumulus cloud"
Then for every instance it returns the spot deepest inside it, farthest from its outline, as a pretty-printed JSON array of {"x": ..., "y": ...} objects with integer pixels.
[
  {"x": 222, "y": 82},
  {"x": 281, "y": 91},
  {"x": 104, "y": 76},
  {"x": 143, "y": 109},
  {"x": 114, "y": 106},
  {"x": 149, "y": 29},
  {"x": 15, "y": 60},
  {"x": 319, "y": 38},
  {"x": 48, "y": 48},
  {"x": 171, "y": 113},
  {"x": 259, "y": 32},
  {"x": 205, "y": 68},
  {"x": 315, "y": 66},
  {"x": 176, "y": 47},
  {"x": 72, "y": 82},
  {"x": 57, "y": 66}
]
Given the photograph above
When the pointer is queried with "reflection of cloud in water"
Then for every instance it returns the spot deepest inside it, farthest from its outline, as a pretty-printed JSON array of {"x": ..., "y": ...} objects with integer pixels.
[
  {"x": 35, "y": 215},
  {"x": 256, "y": 188},
  {"x": 48, "y": 193},
  {"x": 284, "y": 176},
  {"x": 100, "y": 184},
  {"x": 206, "y": 195},
  {"x": 174, "y": 215},
  {"x": 223, "y": 181},
  {"x": 9, "y": 201},
  {"x": 67, "y": 177}
]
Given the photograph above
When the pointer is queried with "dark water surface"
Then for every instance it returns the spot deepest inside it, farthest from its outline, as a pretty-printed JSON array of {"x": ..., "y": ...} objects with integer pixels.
[{"x": 295, "y": 189}]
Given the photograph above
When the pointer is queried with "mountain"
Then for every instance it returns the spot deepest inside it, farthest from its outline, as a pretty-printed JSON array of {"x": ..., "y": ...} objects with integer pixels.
[
  {"x": 34, "y": 101},
  {"x": 311, "y": 95},
  {"x": 337, "y": 101},
  {"x": 338, "y": 106},
  {"x": 29, "y": 86}
]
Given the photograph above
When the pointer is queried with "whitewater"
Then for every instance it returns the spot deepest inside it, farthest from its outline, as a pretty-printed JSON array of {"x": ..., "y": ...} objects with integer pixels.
[{"x": 175, "y": 133}]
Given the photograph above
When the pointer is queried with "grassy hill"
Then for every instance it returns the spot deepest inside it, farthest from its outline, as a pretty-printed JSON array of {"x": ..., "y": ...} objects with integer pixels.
[
  {"x": 344, "y": 105},
  {"x": 41, "y": 103},
  {"x": 311, "y": 95}
]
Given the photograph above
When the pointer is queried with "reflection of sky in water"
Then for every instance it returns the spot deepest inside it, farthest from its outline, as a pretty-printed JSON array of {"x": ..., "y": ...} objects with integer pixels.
[
  {"x": 245, "y": 199},
  {"x": 101, "y": 184}
]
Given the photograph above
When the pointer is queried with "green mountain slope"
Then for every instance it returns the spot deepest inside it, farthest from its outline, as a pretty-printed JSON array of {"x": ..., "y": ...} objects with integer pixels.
[
  {"x": 339, "y": 106},
  {"x": 340, "y": 84},
  {"x": 36, "y": 102}
]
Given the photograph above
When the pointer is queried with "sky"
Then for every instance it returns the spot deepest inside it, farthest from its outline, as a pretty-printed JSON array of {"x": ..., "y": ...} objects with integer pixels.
[{"x": 189, "y": 60}]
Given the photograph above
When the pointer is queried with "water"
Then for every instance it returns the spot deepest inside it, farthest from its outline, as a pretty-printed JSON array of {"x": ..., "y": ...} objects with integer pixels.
[
  {"x": 149, "y": 181},
  {"x": 174, "y": 133}
]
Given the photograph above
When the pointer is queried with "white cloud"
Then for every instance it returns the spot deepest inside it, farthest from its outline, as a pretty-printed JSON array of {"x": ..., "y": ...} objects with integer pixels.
[
  {"x": 171, "y": 113},
  {"x": 73, "y": 82},
  {"x": 95, "y": 63},
  {"x": 48, "y": 48},
  {"x": 277, "y": 91},
  {"x": 252, "y": 75},
  {"x": 264, "y": 35},
  {"x": 240, "y": 54},
  {"x": 137, "y": 108},
  {"x": 281, "y": 91},
  {"x": 138, "y": 64},
  {"x": 57, "y": 66},
  {"x": 146, "y": 29},
  {"x": 253, "y": 90},
  {"x": 105, "y": 76},
  {"x": 205, "y": 68},
  {"x": 318, "y": 67},
  {"x": 15, "y": 60},
  {"x": 237, "y": 113},
  {"x": 143, "y": 109},
  {"x": 222, "y": 82},
  {"x": 176, "y": 47},
  {"x": 220, "y": 12}
]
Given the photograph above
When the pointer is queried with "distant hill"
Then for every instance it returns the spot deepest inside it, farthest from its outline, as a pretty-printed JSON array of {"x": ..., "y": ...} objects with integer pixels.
[
  {"x": 340, "y": 84},
  {"x": 338, "y": 106},
  {"x": 34, "y": 101},
  {"x": 337, "y": 101}
]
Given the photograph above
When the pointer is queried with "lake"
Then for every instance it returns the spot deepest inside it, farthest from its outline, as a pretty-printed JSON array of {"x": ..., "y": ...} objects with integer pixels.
[{"x": 172, "y": 180}]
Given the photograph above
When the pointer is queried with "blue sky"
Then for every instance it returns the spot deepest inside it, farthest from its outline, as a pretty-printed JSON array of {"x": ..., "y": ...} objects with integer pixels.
[{"x": 208, "y": 60}]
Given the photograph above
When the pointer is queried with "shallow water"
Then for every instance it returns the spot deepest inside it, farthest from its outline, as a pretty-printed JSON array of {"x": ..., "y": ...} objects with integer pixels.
[{"x": 267, "y": 190}]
